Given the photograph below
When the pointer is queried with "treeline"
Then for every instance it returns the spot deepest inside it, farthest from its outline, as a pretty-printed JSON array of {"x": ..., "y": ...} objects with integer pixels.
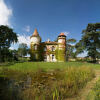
[{"x": 89, "y": 42}]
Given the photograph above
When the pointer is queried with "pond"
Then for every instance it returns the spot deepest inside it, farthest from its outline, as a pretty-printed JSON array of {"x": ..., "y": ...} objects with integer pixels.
[
  {"x": 11, "y": 89},
  {"x": 44, "y": 85}
]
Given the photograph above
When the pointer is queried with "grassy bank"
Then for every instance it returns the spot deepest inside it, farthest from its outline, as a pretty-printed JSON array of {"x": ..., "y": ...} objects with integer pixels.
[
  {"x": 48, "y": 81},
  {"x": 56, "y": 84},
  {"x": 33, "y": 66}
]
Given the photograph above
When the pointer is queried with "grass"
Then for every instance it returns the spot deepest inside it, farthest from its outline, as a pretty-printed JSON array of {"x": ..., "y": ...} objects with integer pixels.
[
  {"x": 95, "y": 92},
  {"x": 33, "y": 66},
  {"x": 54, "y": 84},
  {"x": 51, "y": 81}
]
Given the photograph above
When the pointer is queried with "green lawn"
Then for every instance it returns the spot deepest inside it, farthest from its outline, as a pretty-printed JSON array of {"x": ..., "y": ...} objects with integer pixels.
[{"x": 32, "y": 66}]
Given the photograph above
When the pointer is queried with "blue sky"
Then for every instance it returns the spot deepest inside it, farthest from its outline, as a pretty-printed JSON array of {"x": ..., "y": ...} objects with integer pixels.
[{"x": 51, "y": 17}]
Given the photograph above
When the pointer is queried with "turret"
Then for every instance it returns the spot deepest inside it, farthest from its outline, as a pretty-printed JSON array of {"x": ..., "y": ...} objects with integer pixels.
[
  {"x": 62, "y": 47},
  {"x": 35, "y": 38},
  {"x": 35, "y": 46}
]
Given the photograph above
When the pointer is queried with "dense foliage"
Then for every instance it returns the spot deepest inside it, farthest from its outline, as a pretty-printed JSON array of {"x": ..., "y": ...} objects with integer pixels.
[
  {"x": 23, "y": 49},
  {"x": 7, "y": 37},
  {"x": 90, "y": 41},
  {"x": 70, "y": 48}
]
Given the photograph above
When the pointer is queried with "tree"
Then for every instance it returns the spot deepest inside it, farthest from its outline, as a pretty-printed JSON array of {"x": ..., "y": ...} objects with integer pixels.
[
  {"x": 70, "y": 48},
  {"x": 90, "y": 41},
  {"x": 23, "y": 49},
  {"x": 7, "y": 37},
  {"x": 14, "y": 54}
]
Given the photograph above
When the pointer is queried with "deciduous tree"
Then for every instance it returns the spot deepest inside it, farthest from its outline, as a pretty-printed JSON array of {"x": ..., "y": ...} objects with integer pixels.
[
  {"x": 90, "y": 41},
  {"x": 7, "y": 37},
  {"x": 70, "y": 46},
  {"x": 23, "y": 49}
]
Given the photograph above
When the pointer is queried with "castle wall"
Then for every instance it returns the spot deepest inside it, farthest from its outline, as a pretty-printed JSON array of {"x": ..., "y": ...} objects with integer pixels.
[{"x": 48, "y": 51}]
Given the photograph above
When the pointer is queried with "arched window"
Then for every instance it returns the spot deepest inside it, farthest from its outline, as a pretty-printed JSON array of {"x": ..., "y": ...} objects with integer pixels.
[
  {"x": 52, "y": 48},
  {"x": 35, "y": 47},
  {"x": 45, "y": 48},
  {"x": 53, "y": 57}
]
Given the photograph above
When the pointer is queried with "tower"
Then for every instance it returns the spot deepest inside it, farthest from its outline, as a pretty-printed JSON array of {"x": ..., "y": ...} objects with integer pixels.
[
  {"x": 35, "y": 46},
  {"x": 62, "y": 47}
]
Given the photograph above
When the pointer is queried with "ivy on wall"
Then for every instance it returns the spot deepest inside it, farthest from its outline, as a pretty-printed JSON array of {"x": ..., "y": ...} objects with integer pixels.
[
  {"x": 60, "y": 54},
  {"x": 38, "y": 55}
]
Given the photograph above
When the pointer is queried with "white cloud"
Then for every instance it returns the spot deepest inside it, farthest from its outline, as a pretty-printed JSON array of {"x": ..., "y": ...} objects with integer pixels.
[
  {"x": 27, "y": 28},
  {"x": 5, "y": 13},
  {"x": 24, "y": 39}
]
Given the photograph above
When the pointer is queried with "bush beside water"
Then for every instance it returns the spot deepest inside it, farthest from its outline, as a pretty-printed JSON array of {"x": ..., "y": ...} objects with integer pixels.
[{"x": 54, "y": 84}]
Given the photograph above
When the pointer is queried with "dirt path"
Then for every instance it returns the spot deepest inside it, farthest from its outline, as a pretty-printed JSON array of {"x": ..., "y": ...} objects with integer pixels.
[{"x": 85, "y": 91}]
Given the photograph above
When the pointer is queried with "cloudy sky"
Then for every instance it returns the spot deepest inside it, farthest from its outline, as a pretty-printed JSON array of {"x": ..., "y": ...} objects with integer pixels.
[{"x": 50, "y": 17}]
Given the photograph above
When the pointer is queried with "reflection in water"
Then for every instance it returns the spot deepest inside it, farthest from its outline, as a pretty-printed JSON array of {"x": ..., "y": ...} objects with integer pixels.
[{"x": 11, "y": 90}]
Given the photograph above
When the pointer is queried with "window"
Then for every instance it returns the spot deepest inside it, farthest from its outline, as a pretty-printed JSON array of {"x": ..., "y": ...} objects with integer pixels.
[
  {"x": 35, "y": 47},
  {"x": 45, "y": 57},
  {"x": 35, "y": 56},
  {"x": 52, "y": 48},
  {"x": 45, "y": 48},
  {"x": 52, "y": 57}
]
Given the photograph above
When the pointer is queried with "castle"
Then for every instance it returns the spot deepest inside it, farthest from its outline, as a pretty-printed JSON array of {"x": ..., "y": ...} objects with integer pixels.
[{"x": 49, "y": 51}]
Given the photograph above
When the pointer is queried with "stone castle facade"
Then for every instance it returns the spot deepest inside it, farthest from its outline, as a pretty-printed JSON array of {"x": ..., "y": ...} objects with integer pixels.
[{"x": 49, "y": 51}]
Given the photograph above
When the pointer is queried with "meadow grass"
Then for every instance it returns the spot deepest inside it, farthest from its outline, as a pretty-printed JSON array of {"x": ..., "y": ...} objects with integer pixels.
[
  {"x": 54, "y": 84},
  {"x": 94, "y": 94},
  {"x": 52, "y": 81},
  {"x": 33, "y": 66}
]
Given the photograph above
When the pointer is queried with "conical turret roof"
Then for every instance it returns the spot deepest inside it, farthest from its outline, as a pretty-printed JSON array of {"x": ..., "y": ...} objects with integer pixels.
[
  {"x": 35, "y": 33},
  {"x": 62, "y": 34}
]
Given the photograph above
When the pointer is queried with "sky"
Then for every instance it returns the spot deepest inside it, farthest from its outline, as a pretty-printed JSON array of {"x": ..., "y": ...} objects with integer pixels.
[{"x": 50, "y": 17}]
